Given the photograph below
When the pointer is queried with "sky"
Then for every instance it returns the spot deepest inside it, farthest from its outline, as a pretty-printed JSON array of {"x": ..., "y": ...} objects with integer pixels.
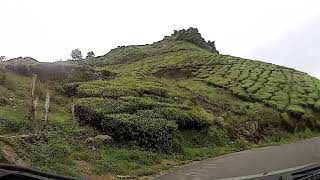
[{"x": 283, "y": 32}]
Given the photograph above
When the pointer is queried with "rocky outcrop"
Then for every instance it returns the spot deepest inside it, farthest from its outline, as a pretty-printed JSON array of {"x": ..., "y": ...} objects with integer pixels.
[{"x": 193, "y": 36}]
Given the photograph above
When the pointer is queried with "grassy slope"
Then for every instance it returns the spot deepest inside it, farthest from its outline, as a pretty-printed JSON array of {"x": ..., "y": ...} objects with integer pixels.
[{"x": 219, "y": 103}]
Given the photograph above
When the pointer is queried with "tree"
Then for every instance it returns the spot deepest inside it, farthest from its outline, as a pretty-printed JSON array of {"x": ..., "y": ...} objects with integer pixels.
[
  {"x": 76, "y": 54},
  {"x": 2, "y": 58},
  {"x": 90, "y": 55}
]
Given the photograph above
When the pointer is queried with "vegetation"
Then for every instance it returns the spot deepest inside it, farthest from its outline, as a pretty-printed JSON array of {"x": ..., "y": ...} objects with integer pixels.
[
  {"x": 2, "y": 58},
  {"x": 90, "y": 55},
  {"x": 2, "y": 75},
  {"x": 76, "y": 54},
  {"x": 162, "y": 104}
]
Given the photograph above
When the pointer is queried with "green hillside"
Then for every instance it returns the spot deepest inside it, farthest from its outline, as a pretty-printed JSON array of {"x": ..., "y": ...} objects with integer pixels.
[{"x": 163, "y": 104}]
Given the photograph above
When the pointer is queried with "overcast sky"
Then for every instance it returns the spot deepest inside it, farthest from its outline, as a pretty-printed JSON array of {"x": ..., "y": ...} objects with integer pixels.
[{"x": 285, "y": 32}]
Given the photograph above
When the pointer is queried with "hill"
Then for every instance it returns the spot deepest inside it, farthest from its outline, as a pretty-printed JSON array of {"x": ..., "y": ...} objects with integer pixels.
[
  {"x": 24, "y": 60},
  {"x": 162, "y": 104}
]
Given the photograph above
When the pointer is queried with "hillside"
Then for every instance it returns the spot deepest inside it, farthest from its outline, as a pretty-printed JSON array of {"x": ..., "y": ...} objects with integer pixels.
[
  {"x": 162, "y": 104},
  {"x": 22, "y": 60}
]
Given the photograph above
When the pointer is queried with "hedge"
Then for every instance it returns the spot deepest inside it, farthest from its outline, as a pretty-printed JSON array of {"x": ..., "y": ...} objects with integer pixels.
[
  {"x": 188, "y": 119},
  {"x": 147, "y": 132},
  {"x": 317, "y": 105},
  {"x": 121, "y": 86}
]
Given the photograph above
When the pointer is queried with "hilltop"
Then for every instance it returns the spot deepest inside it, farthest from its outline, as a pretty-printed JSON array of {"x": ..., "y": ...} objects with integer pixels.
[
  {"x": 162, "y": 104},
  {"x": 23, "y": 60}
]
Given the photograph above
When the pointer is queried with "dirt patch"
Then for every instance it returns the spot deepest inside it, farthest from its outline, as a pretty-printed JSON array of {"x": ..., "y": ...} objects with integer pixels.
[
  {"x": 84, "y": 166},
  {"x": 168, "y": 162},
  {"x": 107, "y": 177},
  {"x": 174, "y": 73},
  {"x": 7, "y": 154}
]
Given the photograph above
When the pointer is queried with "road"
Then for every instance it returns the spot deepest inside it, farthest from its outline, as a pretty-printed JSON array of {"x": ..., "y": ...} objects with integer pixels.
[{"x": 251, "y": 162}]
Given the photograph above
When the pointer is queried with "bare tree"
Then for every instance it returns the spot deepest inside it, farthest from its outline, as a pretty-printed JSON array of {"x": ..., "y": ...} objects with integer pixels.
[
  {"x": 90, "y": 55},
  {"x": 76, "y": 54},
  {"x": 2, "y": 58}
]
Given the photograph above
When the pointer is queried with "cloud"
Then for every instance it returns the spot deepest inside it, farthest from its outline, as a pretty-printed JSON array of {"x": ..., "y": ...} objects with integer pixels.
[{"x": 298, "y": 48}]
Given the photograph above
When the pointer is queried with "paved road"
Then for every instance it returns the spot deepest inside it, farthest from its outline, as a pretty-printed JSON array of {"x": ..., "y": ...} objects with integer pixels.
[{"x": 251, "y": 162}]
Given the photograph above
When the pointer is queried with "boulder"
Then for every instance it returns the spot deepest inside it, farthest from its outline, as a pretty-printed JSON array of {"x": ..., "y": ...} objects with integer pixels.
[{"x": 99, "y": 140}]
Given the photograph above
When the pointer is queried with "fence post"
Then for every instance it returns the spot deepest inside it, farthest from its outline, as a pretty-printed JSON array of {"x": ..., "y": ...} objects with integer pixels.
[
  {"x": 33, "y": 104},
  {"x": 72, "y": 109},
  {"x": 46, "y": 107}
]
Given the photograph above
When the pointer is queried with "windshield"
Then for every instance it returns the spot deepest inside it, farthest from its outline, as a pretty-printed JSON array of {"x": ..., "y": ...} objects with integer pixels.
[{"x": 159, "y": 89}]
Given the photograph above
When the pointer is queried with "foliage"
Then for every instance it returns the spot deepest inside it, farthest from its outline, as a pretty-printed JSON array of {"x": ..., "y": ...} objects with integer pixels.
[
  {"x": 146, "y": 131},
  {"x": 2, "y": 75},
  {"x": 121, "y": 86},
  {"x": 131, "y": 119},
  {"x": 90, "y": 55},
  {"x": 317, "y": 105},
  {"x": 2, "y": 58},
  {"x": 10, "y": 84},
  {"x": 296, "y": 111},
  {"x": 192, "y": 119},
  {"x": 76, "y": 54}
]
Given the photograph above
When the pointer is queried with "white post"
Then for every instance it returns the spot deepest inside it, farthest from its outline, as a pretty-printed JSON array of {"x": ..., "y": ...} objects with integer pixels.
[
  {"x": 72, "y": 109},
  {"x": 32, "y": 113}
]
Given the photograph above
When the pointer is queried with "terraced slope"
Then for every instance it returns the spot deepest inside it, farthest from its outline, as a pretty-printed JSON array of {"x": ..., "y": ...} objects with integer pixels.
[
  {"x": 279, "y": 87},
  {"x": 246, "y": 98}
]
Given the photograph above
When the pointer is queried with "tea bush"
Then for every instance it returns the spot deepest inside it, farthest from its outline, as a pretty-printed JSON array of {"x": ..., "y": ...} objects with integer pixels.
[
  {"x": 317, "y": 105},
  {"x": 131, "y": 118},
  {"x": 275, "y": 86},
  {"x": 190, "y": 119},
  {"x": 148, "y": 132},
  {"x": 295, "y": 110},
  {"x": 154, "y": 133},
  {"x": 121, "y": 86}
]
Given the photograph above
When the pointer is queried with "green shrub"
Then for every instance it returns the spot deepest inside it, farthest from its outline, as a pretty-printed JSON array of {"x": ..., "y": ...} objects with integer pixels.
[
  {"x": 121, "y": 86},
  {"x": 147, "y": 132},
  {"x": 295, "y": 110},
  {"x": 14, "y": 126},
  {"x": 317, "y": 105},
  {"x": 11, "y": 84},
  {"x": 121, "y": 105},
  {"x": 218, "y": 136},
  {"x": 70, "y": 90},
  {"x": 140, "y": 116},
  {"x": 242, "y": 144},
  {"x": 287, "y": 123},
  {"x": 192, "y": 119}
]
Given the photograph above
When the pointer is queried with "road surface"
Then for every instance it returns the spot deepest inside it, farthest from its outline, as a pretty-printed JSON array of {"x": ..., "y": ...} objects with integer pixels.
[{"x": 251, "y": 162}]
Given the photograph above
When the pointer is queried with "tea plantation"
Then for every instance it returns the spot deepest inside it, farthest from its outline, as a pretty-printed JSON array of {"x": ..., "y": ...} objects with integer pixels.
[{"x": 163, "y": 104}]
